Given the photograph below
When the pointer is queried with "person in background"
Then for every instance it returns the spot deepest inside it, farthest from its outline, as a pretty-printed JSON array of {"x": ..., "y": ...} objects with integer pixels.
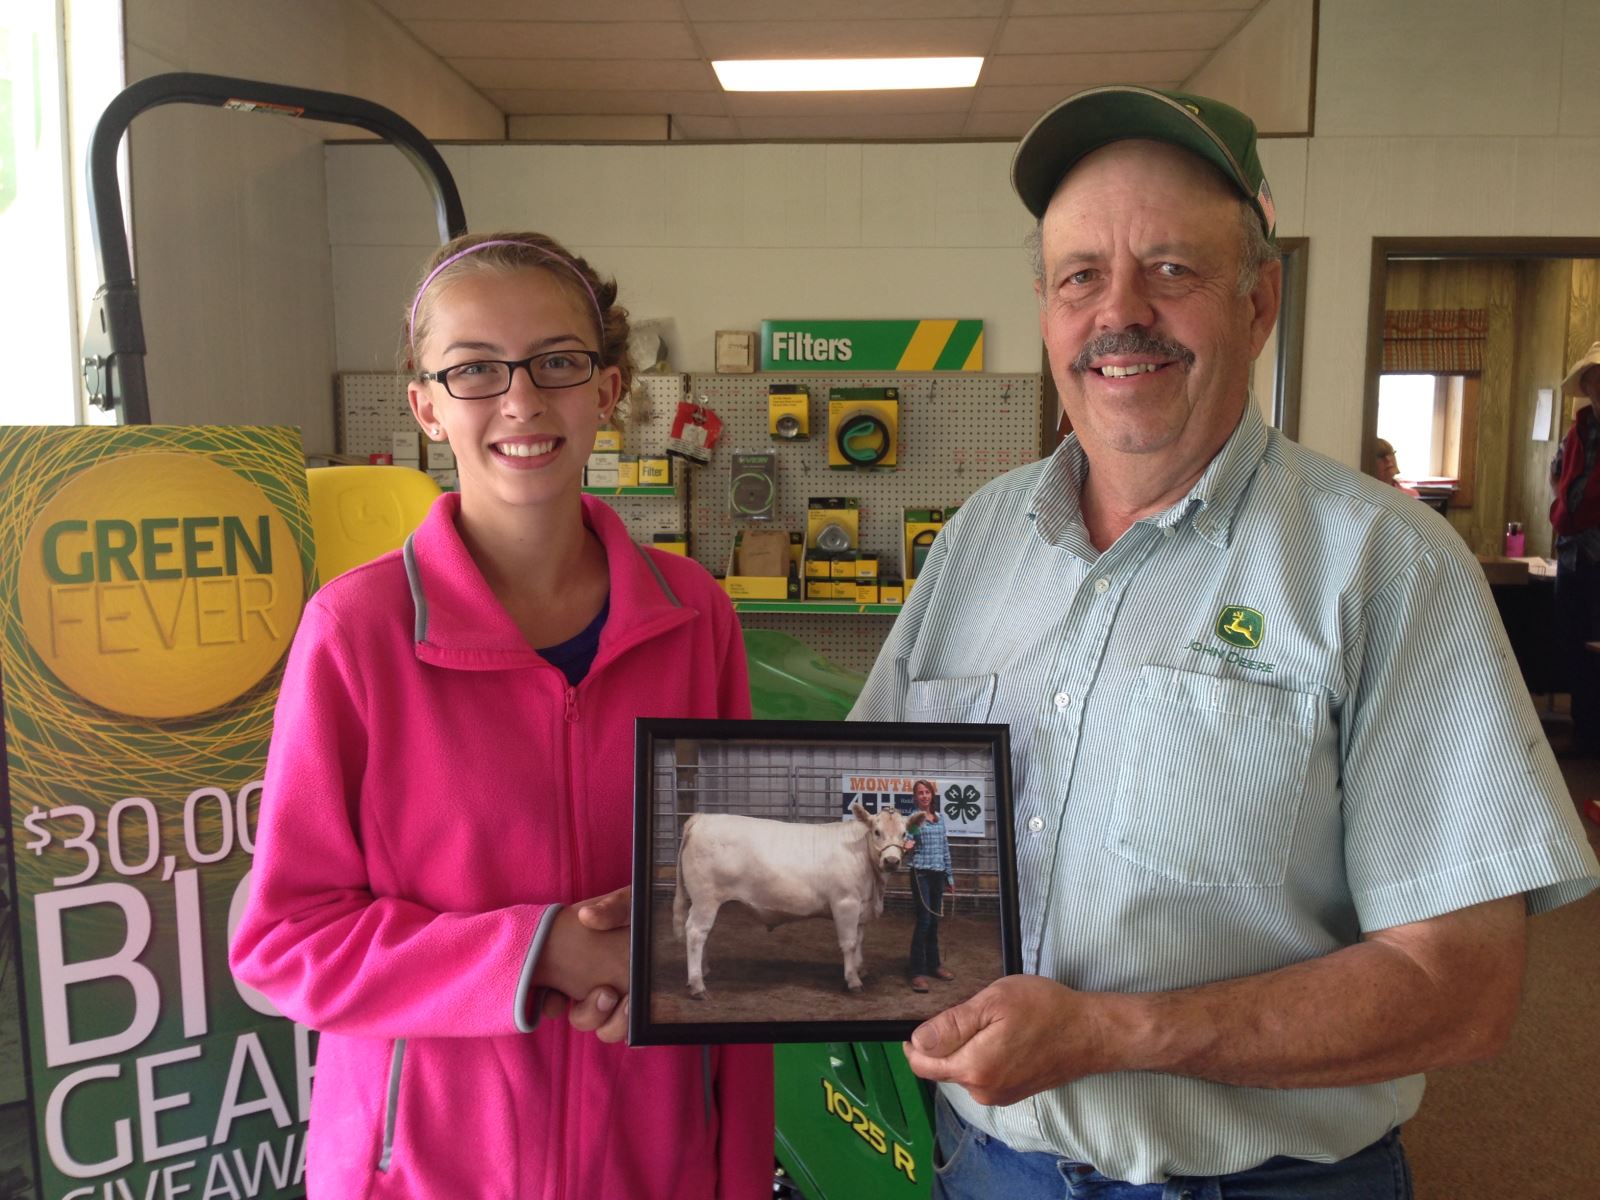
[
  {"x": 446, "y": 830},
  {"x": 1575, "y": 517},
  {"x": 1239, "y": 678},
  {"x": 1388, "y": 466},
  {"x": 931, "y": 871}
]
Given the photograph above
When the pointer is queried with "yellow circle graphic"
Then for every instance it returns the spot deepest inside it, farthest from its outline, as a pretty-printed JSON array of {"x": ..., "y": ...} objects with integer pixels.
[{"x": 160, "y": 585}]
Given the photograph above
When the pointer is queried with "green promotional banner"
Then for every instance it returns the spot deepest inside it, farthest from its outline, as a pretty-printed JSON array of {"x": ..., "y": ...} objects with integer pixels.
[
  {"x": 151, "y": 579},
  {"x": 931, "y": 345}
]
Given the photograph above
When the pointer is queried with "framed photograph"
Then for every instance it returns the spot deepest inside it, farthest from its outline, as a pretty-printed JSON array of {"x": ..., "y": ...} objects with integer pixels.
[{"x": 817, "y": 881}]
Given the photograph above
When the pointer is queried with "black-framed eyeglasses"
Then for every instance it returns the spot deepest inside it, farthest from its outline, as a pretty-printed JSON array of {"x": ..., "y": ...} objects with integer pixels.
[{"x": 486, "y": 378}]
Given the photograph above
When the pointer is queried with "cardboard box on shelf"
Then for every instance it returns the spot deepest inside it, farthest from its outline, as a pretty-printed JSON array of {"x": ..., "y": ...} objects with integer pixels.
[
  {"x": 774, "y": 551},
  {"x": 406, "y": 446},
  {"x": 602, "y": 470}
]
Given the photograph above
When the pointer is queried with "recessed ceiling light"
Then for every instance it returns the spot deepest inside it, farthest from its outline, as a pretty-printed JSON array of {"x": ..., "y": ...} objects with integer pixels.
[{"x": 845, "y": 74}]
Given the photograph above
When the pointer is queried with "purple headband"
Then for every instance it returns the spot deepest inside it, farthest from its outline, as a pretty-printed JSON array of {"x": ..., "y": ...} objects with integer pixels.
[{"x": 600, "y": 322}]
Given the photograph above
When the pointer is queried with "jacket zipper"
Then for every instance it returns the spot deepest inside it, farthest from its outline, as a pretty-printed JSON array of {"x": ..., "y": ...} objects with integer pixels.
[
  {"x": 573, "y": 1063},
  {"x": 391, "y": 1103}
]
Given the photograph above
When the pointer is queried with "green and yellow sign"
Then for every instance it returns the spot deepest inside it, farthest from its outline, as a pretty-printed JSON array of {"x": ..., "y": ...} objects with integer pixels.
[
  {"x": 930, "y": 345},
  {"x": 151, "y": 579}
]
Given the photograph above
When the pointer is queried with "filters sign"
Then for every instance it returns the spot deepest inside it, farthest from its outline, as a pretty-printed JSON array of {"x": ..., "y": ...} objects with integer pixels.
[{"x": 924, "y": 345}]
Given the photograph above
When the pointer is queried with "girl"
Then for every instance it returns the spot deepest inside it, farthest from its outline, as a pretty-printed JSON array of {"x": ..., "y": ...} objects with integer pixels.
[
  {"x": 930, "y": 871},
  {"x": 452, "y": 767}
]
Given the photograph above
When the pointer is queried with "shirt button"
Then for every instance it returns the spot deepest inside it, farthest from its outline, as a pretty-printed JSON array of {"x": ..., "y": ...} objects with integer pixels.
[
  {"x": 1035, "y": 824},
  {"x": 1101, "y": 585},
  {"x": 1062, "y": 700},
  {"x": 1170, "y": 530}
]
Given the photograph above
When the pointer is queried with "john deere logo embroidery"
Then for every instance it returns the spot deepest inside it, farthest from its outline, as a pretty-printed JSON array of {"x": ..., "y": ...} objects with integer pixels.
[{"x": 1242, "y": 627}]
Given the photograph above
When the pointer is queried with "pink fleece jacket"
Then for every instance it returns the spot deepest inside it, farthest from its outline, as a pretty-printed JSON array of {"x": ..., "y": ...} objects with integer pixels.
[{"x": 433, "y": 788}]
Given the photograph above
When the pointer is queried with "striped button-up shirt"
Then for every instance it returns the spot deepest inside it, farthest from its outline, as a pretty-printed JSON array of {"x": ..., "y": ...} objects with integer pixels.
[{"x": 1275, "y": 716}]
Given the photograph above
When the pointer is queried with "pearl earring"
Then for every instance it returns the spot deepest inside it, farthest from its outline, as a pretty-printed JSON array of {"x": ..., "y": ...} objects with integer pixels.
[{"x": 435, "y": 431}]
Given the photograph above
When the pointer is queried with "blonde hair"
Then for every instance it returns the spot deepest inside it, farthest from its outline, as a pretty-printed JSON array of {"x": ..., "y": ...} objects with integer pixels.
[{"x": 507, "y": 253}]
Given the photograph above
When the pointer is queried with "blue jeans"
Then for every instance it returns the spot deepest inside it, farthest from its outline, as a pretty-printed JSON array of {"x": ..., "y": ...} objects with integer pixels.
[
  {"x": 971, "y": 1165},
  {"x": 929, "y": 896}
]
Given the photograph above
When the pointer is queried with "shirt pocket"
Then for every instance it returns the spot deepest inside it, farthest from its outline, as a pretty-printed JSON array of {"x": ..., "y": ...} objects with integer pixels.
[
  {"x": 1211, "y": 777},
  {"x": 967, "y": 699}
]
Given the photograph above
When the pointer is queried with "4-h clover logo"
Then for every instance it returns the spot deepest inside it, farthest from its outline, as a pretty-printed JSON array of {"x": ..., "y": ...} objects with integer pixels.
[{"x": 963, "y": 802}]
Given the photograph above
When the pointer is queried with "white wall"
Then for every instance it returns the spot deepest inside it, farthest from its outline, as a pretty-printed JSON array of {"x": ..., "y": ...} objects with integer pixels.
[
  {"x": 712, "y": 236},
  {"x": 1265, "y": 68},
  {"x": 230, "y": 220},
  {"x": 1443, "y": 118}
]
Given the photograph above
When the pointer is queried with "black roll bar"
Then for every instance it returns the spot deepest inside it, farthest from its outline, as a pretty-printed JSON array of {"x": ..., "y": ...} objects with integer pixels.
[{"x": 113, "y": 344}]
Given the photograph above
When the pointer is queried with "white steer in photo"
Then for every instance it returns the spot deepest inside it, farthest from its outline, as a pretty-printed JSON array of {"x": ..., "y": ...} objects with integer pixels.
[{"x": 784, "y": 871}]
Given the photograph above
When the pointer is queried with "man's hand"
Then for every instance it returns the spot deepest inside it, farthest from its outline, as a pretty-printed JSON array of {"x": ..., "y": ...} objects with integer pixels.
[
  {"x": 1019, "y": 1036},
  {"x": 586, "y": 958},
  {"x": 608, "y": 912}
]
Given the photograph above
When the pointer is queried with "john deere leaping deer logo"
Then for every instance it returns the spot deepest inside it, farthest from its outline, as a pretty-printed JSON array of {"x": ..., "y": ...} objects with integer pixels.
[{"x": 1240, "y": 626}]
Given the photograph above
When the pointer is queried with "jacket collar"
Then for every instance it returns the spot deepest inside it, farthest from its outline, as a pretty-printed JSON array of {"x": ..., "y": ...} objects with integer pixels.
[{"x": 457, "y": 622}]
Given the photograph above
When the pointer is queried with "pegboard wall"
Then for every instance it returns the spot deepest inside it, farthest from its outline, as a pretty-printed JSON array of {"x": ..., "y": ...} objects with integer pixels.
[
  {"x": 956, "y": 432},
  {"x": 371, "y": 406}
]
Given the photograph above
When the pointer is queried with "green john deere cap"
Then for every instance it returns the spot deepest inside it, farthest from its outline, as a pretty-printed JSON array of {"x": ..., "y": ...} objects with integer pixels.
[{"x": 1217, "y": 132}]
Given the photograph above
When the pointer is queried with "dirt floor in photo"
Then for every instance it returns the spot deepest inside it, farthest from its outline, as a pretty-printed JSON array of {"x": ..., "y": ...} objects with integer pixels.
[{"x": 796, "y": 973}]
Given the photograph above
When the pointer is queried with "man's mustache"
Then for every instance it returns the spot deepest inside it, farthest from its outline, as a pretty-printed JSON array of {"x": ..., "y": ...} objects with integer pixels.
[{"x": 1132, "y": 342}]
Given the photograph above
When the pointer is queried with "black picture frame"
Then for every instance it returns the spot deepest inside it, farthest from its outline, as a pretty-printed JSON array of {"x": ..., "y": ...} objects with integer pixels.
[{"x": 788, "y": 983}]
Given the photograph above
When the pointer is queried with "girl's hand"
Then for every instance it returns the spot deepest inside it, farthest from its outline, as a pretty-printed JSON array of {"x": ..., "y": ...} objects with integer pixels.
[{"x": 601, "y": 1013}]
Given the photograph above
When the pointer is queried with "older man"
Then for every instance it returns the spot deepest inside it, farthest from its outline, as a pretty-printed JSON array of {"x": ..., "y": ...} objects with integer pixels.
[{"x": 1282, "y": 804}]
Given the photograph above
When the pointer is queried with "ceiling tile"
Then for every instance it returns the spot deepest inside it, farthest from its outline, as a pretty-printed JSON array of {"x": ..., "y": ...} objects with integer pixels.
[
  {"x": 551, "y": 39},
  {"x": 776, "y": 104},
  {"x": 998, "y": 124},
  {"x": 1147, "y": 31},
  {"x": 920, "y": 125},
  {"x": 619, "y": 75},
  {"x": 1065, "y": 8},
  {"x": 518, "y": 10},
  {"x": 554, "y": 101},
  {"x": 1037, "y": 98},
  {"x": 849, "y": 39},
  {"x": 1086, "y": 70},
  {"x": 840, "y": 10}
]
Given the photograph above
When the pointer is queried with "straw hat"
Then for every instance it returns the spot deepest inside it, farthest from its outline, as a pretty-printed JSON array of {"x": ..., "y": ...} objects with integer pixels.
[{"x": 1569, "y": 385}]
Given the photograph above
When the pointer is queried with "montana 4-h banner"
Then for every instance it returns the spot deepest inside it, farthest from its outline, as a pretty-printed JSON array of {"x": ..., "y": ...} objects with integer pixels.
[
  {"x": 151, "y": 579},
  {"x": 964, "y": 800}
]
